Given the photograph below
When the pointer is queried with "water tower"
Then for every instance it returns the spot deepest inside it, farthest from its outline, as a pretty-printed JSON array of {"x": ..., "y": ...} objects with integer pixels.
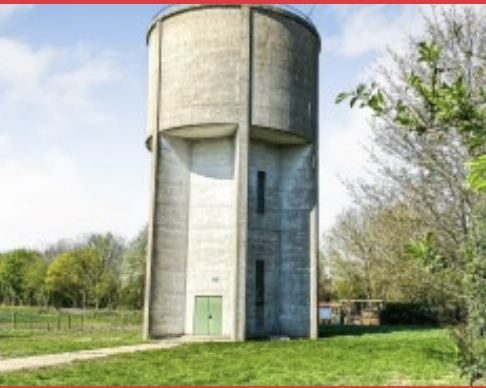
[{"x": 233, "y": 131}]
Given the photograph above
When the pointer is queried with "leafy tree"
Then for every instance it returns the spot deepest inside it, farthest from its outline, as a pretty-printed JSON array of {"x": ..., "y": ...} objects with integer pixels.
[
  {"x": 441, "y": 94},
  {"x": 57, "y": 248},
  {"x": 367, "y": 252},
  {"x": 35, "y": 292},
  {"x": 21, "y": 275},
  {"x": 63, "y": 280},
  {"x": 441, "y": 97},
  {"x": 95, "y": 280},
  {"x": 110, "y": 249},
  {"x": 97, "y": 271},
  {"x": 80, "y": 279},
  {"x": 133, "y": 278}
]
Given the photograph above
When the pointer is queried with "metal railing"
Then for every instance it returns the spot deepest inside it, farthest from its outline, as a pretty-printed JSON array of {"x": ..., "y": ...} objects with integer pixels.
[
  {"x": 295, "y": 11},
  {"x": 286, "y": 7}
]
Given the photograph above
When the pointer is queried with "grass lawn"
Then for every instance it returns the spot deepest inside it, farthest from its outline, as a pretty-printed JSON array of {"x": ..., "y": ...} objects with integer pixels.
[
  {"x": 28, "y": 343},
  {"x": 46, "y": 331},
  {"x": 378, "y": 357}
]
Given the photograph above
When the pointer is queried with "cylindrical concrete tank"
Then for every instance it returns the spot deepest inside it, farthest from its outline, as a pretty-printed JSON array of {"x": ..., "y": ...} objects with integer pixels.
[
  {"x": 195, "y": 55},
  {"x": 233, "y": 129}
]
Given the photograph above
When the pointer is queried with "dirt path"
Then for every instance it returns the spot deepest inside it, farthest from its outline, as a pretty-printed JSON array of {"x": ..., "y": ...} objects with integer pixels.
[{"x": 46, "y": 361}]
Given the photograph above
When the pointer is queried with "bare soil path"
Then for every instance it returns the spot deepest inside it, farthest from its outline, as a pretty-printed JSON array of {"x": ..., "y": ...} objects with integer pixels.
[{"x": 46, "y": 361}]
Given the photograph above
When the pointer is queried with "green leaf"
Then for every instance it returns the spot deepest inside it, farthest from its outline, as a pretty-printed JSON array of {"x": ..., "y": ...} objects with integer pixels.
[
  {"x": 341, "y": 97},
  {"x": 476, "y": 178},
  {"x": 361, "y": 89},
  {"x": 429, "y": 52}
]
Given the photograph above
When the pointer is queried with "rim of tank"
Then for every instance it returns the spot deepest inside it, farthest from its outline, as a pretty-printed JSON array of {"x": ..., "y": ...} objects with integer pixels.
[{"x": 282, "y": 9}]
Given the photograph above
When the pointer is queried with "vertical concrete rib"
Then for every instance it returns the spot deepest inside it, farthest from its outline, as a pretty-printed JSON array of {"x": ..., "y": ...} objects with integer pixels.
[
  {"x": 314, "y": 281},
  {"x": 314, "y": 229},
  {"x": 155, "y": 145},
  {"x": 243, "y": 143}
]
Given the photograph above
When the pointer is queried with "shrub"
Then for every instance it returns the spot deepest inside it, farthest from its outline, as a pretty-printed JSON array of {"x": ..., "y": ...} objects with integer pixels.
[{"x": 421, "y": 314}]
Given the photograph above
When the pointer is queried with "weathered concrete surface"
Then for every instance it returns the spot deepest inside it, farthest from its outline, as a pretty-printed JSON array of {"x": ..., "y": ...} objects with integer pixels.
[
  {"x": 281, "y": 238},
  {"x": 212, "y": 216},
  {"x": 167, "y": 303},
  {"x": 49, "y": 361},
  {"x": 233, "y": 91},
  {"x": 242, "y": 162},
  {"x": 200, "y": 66},
  {"x": 284, "y": 74},
  {"x": 264, "y": 239}
]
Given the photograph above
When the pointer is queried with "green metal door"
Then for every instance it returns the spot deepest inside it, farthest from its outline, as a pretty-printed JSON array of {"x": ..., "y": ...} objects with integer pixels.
[
  {"x": 201, "y": 322},
  {"x": 208, "y": 316},
  {"x": 215, "y": 316}
]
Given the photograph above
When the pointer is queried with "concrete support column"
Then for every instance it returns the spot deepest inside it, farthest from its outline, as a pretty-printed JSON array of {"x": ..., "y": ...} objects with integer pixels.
[
  {"x": 314, "y": 227},
  {"x": 242, "y": 154},
  {"x": 314, "y": 274},
  {"x": 154, "y": 184},
  {"x": 147, "y": 329}
]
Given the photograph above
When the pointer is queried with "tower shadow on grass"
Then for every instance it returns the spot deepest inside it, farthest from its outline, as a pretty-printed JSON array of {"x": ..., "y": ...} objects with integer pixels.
[{"x": 357, "y": 331}]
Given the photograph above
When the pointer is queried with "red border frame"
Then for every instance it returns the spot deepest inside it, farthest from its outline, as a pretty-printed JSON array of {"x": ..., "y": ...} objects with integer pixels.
[{"x": 357, "y": 3}]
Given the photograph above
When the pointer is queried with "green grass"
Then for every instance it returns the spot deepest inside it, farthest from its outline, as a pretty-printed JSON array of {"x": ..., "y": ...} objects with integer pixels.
[
  {"x": 47, "y": 331},
  {"x": 381, "y": 356},
  {"x": 28, "y": 343}
]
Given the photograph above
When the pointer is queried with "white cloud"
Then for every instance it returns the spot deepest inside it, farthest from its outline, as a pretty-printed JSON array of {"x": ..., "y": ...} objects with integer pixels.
[
  {"x": 344, "y": 146},
  {"x": 375, "y": 28},
  {"x": 44, "y": 198},
  {"x": 8, "y": 10},
  {"x": 346, "y": 140},
  {"x": 56, "y": 84},
  {"x": 3, "y": 143},
  {"x": 372, "y": 28},
  {"x": 47, "y": 95},
  {"x": 347, "y": 135}
]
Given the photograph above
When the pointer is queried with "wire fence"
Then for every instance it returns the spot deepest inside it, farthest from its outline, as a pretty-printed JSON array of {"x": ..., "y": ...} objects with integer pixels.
[{"x": 32, "y": 319}]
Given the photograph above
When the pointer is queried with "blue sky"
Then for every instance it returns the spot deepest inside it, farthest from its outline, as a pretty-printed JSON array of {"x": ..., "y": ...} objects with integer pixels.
[{"x": 72, "y": 113}]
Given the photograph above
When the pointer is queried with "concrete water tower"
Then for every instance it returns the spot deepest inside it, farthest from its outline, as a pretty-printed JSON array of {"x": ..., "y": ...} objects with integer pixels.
[{"x": 233, "y": 131}]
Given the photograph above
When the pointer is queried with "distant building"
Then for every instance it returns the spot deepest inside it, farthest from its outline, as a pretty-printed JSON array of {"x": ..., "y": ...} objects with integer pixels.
[{"x": 233, "y": 130}]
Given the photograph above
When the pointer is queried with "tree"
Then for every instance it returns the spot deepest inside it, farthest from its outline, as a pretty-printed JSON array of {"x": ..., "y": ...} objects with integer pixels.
[
  {"x": 63, "y": 281},
  {"x": 61, "y": 246},
  {"x": 367, "y": 251},
  {"x": 95, "y": 280},
  {"x": 442, "y": 90},
  {"x": 80, "y": 279},
  {"x": 437, "y": 92},
  {"x": 35, "y": 273},
  {"x": 21, "y": 274},
  {"x": 110, "y": 250},
  {"x": 97, "y": 271},
  {"x": 133, "y": 275}
]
